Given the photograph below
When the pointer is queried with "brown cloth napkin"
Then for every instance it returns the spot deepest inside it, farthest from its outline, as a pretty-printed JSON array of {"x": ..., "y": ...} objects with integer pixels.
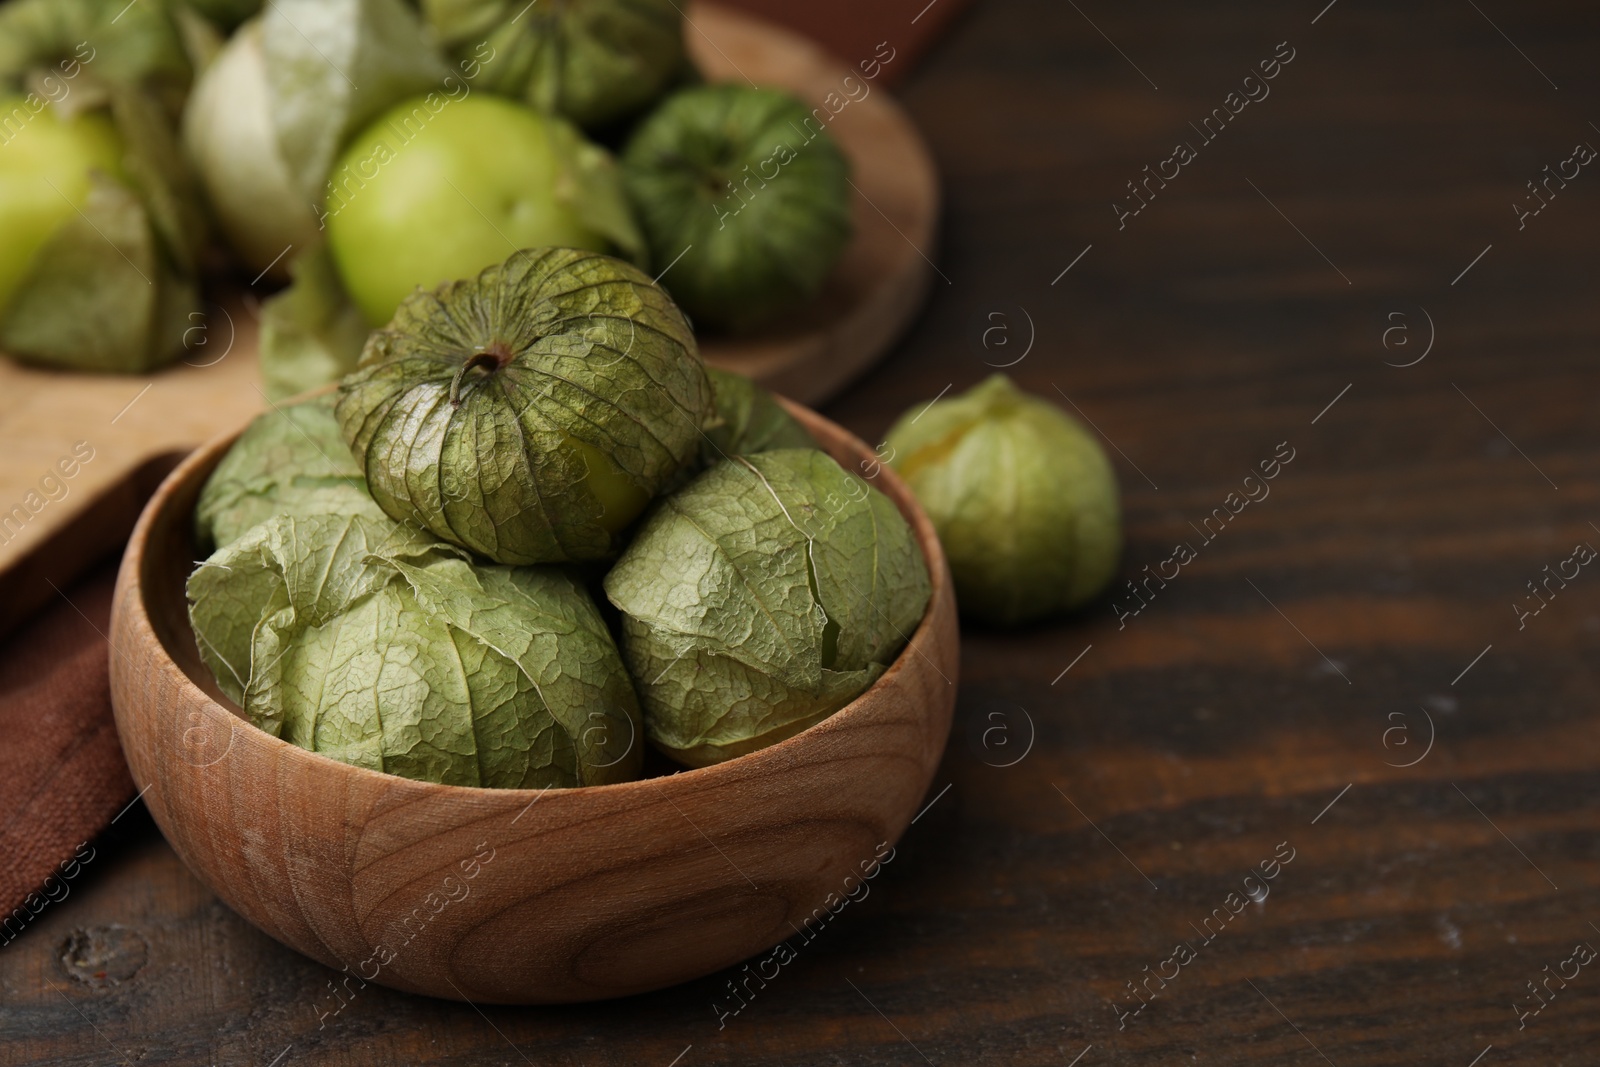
[{"x": 62, "y": 774}]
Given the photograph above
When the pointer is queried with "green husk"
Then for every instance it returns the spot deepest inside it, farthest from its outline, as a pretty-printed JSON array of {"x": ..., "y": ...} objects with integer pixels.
[
  {"x": 311, "y": 332},
  {"x": 111, "y": 45},
  {"x": 1023, "y": 497},
  {"x": 528, "y": 413},
  {"x": 754, "y": 201},
  {"x": 168, "y": 190},
  {"x": 593, "y": 61},
  {"x": 762, "y": 597},
  {"x": 114, "y": 287},
  {"x": 380, "y": 646},
  {"x": 591, "y": 185},
  {"x": 291, "y": 460},
  {"x": 101, "y": 295},
  {"x": 748, "y": 419}
]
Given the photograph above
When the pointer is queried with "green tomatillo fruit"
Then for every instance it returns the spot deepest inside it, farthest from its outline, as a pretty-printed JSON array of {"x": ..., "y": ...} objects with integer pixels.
[
  {"x": 270, "y": 115},
  {"x": 100, "y": 225},
  {"x": 745, "y": 199},
  {"x": 438, "y": 189},
  {"x": 762, "y": 597},
  {"x": 1023, "y": 497},
  {"x": 291, "y": 460},
  {"x": 101, "y": 274},
  {"x": 531, "y": 412},
  {"x": 592, "y": 61},
  {"x": 45, "y": 162},
  {"x": 748, "y": 419},
  {"x": 94, "y": 48},
  {"x": 378, "y": 645},
  {"x": 230, "y": 139}
]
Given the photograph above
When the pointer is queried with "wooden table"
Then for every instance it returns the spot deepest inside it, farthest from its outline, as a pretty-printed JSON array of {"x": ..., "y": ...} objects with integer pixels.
[{"x": 1112, "y": 785}]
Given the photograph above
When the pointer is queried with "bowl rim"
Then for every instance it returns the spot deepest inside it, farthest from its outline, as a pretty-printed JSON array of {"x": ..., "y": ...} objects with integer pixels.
[{"x": 731, "y": 770}]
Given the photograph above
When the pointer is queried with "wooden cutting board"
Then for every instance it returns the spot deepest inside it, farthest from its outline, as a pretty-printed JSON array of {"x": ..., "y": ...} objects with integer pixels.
[{"x": 129, "y": 426}]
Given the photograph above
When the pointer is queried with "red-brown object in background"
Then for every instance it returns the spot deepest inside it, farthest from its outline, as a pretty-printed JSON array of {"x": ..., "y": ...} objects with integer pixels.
[{"x": 853, "y": 29}]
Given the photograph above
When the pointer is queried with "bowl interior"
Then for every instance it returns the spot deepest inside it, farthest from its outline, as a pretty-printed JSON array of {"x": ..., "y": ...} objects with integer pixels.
[{"x": 171, "y": 555}]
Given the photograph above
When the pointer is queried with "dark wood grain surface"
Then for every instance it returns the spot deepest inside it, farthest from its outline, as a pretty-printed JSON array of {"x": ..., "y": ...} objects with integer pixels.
[{"x": 1088, "y": 821}]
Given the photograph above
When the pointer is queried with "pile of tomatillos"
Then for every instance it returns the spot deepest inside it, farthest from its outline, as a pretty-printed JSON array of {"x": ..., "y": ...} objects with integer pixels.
[
  {"x": 361, "y": 149},
  {"x": 404, "y": 572}
]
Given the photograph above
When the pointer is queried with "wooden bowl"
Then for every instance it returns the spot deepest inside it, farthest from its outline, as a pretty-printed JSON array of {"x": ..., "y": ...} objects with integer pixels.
[{"x": 505, "y": 895}]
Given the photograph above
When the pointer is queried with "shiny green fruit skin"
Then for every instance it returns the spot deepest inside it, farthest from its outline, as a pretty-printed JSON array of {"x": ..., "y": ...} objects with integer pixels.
[
  {"x": 414, "y": 205},
  {"x": 1023, "y": 497},
  {"x": 44, "y": 177}
]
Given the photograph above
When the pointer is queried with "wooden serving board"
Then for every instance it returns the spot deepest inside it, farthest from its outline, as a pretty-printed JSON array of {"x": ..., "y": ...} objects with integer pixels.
[
  {"x": 130, "y": 421},
  {"x": 52, "y": 526}
]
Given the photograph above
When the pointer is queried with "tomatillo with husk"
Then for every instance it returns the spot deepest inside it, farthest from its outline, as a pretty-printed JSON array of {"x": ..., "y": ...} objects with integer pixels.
[
  {"x": 743, "y": 198},
  {"x": 762, "y": 597},
  {"x": 531, "y": 412},
  {"x": 290, "y": 460},
  {"x": 373, "y": 643},
  {"x": 592, "y": 61},
  {"x": 1023, "y": 497},
  {"x": 747, "y": 419}
]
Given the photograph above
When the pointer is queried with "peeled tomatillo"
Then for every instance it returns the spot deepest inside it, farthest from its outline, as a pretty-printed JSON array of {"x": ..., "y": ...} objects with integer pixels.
[
  {"x": 44, "y": 177},
  {"x": 440, "y": 188}
]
